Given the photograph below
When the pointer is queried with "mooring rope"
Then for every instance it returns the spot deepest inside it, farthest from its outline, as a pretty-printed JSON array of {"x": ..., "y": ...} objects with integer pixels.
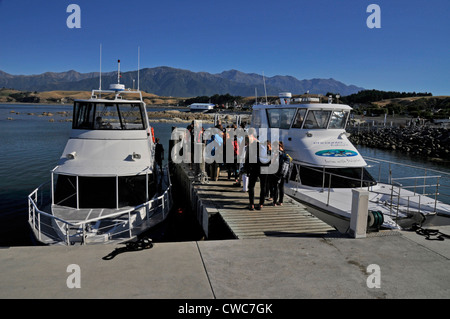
[
  {"x": 141, "y": 244},
  {"x": 428, "y": 233}
]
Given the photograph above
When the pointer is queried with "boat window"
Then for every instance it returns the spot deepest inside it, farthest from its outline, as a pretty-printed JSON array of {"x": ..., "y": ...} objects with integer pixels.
[
  {"x": 132, "y": 190},
  {"x": 83, "y": 115},
  {"x": 100, "y": 192},
  {"x": 280, "y": 118},
  {"x": 131, "y": 116},
  {"x": 97, "y": 192},
  {"x": 299, "y": 118},
  {"x": 338, "y": 119},
  {"x": 108, "y": 116},
  {"x": 256, "y": 118},
  {"x": 317, "y": 119}
]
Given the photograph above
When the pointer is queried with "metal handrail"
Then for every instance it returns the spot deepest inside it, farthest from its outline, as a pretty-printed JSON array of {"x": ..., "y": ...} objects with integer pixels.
[
  {"x": 33, "y": 209},
  {"x": 393, "y": 181}
]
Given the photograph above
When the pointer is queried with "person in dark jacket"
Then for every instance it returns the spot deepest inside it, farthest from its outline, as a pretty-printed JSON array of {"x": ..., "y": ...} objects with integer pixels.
[
  {"x": 252, "y": 166},
  {"x": 159, "y": 153},
  {"x": 277, "y": 180}
]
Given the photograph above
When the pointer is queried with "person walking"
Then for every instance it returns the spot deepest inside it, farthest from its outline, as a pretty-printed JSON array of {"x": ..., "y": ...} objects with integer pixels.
[
  {"x": 252, "y": 166},
  {"x": 159, "y": 154},
  {"x": 264, "y": 157}
]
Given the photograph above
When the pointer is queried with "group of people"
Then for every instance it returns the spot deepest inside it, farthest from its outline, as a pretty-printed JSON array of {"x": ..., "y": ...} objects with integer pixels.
[
  {"x": 252, "y": 161},
  {"x": 228, "y": 159},
  {"x": 271, "y": 181}
]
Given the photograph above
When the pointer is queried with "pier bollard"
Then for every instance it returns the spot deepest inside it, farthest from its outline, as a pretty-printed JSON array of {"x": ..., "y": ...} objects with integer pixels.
[{"x": 360, "y": 207}]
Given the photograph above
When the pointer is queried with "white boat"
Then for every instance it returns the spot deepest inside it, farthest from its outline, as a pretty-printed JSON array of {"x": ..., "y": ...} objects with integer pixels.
[
  {"x": 105, "y": 187},
  {"x": 201, "y": 107},
  {"x": 326, "y": 167}
]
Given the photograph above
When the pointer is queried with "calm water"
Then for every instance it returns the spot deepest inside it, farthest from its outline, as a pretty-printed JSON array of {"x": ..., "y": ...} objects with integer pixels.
[{"x": 30, "y": 146}]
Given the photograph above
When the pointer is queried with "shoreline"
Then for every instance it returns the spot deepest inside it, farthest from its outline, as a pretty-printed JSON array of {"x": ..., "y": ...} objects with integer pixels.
[{"x": 168, "y": 115}]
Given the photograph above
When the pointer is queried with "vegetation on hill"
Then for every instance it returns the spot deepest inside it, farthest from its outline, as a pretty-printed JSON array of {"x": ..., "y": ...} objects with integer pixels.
[
  {"x": 67, "y": 97},
  {"x": 375, "y": 102},
  {"x": 368, "y": 96}
]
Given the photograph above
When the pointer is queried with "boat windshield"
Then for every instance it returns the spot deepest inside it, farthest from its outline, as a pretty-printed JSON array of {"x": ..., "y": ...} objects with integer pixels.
[
  {"x": 280, "y": 118},
  {"x": 298, "y": 122},
  {"x": 317, "y": 119},
  {"x": 338, "y": 119},
  {"x": 108, "y": 116}
]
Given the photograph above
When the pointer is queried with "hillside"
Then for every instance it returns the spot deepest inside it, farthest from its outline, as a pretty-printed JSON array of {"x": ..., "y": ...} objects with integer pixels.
[
  {"x": 67, "y": 97},
  {"x": 167, "y": 81},
  {"x": 423, "y": 106}
]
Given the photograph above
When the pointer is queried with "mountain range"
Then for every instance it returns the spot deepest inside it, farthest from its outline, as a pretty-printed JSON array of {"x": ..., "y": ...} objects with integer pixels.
[{"x": 167, "y": 81}]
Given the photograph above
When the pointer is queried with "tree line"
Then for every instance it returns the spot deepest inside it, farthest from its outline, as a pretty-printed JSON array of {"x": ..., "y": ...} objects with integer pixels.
[{"x": 368, "y": 96}]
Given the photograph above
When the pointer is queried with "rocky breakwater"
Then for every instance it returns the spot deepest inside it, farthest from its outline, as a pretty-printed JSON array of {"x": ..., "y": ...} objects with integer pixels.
[
  {"x": 174, "y": 116},
  {"x": 420, "y": 140}
]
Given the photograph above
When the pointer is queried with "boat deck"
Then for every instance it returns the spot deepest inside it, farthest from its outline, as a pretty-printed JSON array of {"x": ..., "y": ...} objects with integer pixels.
[
  {"x": 290, "y": 220},
  {"x": 74, "y": 215}
]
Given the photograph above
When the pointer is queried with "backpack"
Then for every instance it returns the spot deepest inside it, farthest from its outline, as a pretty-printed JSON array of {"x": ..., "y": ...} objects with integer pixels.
[{"x": 285, "y": 166}]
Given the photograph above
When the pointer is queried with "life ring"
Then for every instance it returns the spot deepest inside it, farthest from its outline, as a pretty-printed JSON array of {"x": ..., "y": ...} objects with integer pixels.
[{"x": 153, "y": 134}]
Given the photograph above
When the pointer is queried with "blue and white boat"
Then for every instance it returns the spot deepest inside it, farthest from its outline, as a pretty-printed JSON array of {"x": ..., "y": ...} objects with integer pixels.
[{"x": 326, "y": 167}]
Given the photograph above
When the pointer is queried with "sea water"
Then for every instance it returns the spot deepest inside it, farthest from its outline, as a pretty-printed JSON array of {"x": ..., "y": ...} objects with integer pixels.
[{"x": 32, "y": 141}]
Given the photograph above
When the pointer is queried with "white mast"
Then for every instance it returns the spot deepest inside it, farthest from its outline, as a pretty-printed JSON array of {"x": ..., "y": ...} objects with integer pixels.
[
  {"x": 265, "y": 92},
  {"x": 100, "y": 85},
  {"x": 100, "y": 77},
  {"x": 139, "y": 56}
]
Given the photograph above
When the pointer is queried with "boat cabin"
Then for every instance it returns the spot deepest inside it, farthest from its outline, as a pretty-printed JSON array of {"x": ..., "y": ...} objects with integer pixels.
[
  {"x": 107, "y": 162},
  {"x": 314, "y": 135}
]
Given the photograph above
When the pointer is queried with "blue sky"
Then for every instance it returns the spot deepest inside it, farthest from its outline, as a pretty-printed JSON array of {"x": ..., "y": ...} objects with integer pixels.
[{"x": 303, "y": 38}]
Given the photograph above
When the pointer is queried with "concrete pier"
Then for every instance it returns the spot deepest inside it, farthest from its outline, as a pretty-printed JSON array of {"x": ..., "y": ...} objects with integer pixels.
[
  {"x": 275, "y": 258},
  {"x": 274, "y": 267}
]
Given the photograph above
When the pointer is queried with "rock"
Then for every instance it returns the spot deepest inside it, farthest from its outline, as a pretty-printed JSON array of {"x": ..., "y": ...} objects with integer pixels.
[{"x": 425, "y": 141}]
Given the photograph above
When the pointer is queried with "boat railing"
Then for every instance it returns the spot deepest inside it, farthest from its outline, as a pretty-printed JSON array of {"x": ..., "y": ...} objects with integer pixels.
[
  {"x": 42, "y": 222},
  {"x": 427, "y": 182},
  {"x": 97, "y": 94},
  {"x": 327, "y": 186},
  {"x": 421, "y": 185}
]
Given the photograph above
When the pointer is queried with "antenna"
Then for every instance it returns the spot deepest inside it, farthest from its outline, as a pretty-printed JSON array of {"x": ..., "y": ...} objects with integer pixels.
[
  {"x": 265, "y": 92},
  {"x": 118, "y": 72},
  {"x": 100, "y": 84},
  {"x": 139, "y": 57},
  {"x": 117, "y": 87}
]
